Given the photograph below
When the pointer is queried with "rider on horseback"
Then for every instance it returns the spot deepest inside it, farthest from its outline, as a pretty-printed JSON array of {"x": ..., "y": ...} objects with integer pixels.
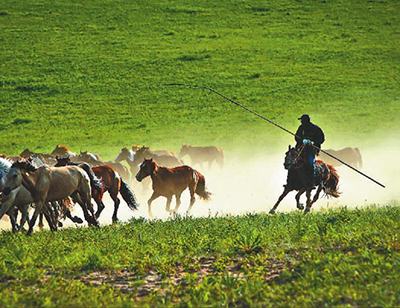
[{"x": 309, "y": 134}]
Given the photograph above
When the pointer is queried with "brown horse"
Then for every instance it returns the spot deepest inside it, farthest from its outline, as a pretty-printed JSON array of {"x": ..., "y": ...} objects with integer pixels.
[
  {"x": 136, "y": 147},
  {"x": 352, "y": 156},
  {"x": 87, "y": 157},
  {"x": 113, "y": 183},
  {"x": 164, "y": 160},
  {"x": 47, "y": 184},
  {"x": 297, "y": 179},
  {"x": 45, "y": 158},
  {"x": 61, "y": 150},
  {"x": 200, "y": 155},
  {"x": 168, "y": 182}
]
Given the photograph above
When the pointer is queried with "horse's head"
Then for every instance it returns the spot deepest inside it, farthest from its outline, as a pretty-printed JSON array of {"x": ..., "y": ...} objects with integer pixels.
[
  {"x": 148, "y": 167},
  {"x": 184, "y": 150},
  {"x": 291, "y": 157},
  {"x": 60, "y": 150},
  {"x": 14, "y": 177},
  {"x": 135, "y": 147},
  {"x": 26, "y": 153},
  {"x": 124, "y": 154}
]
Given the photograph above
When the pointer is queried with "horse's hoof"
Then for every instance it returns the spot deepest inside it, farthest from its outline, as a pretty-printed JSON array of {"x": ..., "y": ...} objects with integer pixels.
[
  {"x": 60, "y": 224},
  {"x": 272, "y": 211},
  {"x": 300, "y": 206},
  {"x": 78, "y": 220},
  {"x": 307, "y": 210}
]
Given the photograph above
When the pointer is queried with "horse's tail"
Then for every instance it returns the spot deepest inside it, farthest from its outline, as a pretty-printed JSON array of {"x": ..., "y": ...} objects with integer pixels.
[
  {"x": 331, "y": 185},
  {"x": 128, "y": 195},
  {"x": 359, "y": 158},
  {"x": 201, "y": 187},
  {"x": 95, "y": 182}
]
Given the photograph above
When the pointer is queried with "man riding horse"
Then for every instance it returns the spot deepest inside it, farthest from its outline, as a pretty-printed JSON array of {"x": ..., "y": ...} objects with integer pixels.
[{"x": 309, "y": 136}]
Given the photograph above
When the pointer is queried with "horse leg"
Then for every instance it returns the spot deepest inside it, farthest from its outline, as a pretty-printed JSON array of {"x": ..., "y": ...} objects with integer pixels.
[
  {"x": 316, "y": 196},
  {"x": 284, "y": 194},
  {"x": 12, "y": 215},
  {"x": 168, "y": 205},
  {"x": 308, "y": 206},
  {"x": 39, "y": 205},
  {"x": 75, "y": 219},
  {"x": 113, "y": 191},
  {"x": 24, "y": 211},
  {"x": 100, "y": 207},
  {"x": 116, "y": 206},
  {"x": 152, "y": 198},
  {"x": 77, "y": 198},
  {"x": 298, "y": 204},
  {"x": 192, "y": 189},
  {"x": 178, "y": 202}
]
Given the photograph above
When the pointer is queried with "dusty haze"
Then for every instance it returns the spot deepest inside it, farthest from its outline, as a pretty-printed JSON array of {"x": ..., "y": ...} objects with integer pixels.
[{"x": 254, "y": 183}]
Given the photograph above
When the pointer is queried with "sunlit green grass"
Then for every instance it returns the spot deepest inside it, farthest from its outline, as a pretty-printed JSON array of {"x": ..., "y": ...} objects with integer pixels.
[
  {"x": 334, "y": 257},
  {"x": 87, "y": 74}
]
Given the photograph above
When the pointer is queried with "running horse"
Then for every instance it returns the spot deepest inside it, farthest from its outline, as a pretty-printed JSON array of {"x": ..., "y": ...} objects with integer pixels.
[
  {"x": 327, "y": 179},
  {"x": 162, "y": 159},
  {"x": 112, "y": 182},
  {"x": 168, "y": 182},
  {"x": 47, "y": 184},
  {"x": 200, "y": 155}
]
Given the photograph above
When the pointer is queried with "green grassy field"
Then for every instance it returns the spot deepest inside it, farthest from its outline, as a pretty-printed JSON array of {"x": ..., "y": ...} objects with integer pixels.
[
  {"x": 332, "y": 258},
  {"x": 87, "y": 74}
]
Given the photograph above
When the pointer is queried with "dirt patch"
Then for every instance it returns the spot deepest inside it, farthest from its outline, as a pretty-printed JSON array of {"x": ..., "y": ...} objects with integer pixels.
[{"x": 128, "y": 281}]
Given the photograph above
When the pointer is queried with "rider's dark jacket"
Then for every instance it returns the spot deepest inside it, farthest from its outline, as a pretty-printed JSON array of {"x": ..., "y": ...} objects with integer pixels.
[{"x": 309, "y": 131}]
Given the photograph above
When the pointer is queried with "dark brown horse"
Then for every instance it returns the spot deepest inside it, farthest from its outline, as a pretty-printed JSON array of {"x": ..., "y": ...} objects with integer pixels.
[
  {"x": 113, "y": 183},
  {"x": 352, "y": 156},
  {"x": 164, "y": 160},
  {"x": 200, "y": 155},
  {"x": 297, "y": 179},
  {"x": 168, "y": 182}
]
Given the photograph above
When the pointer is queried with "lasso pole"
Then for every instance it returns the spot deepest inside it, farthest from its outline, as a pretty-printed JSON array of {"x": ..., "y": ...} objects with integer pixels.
[{"x": 271, "y": 122}]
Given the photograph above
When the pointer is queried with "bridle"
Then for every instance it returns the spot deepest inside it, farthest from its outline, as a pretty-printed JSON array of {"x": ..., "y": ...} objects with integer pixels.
[{"x": 294, "y": 161}]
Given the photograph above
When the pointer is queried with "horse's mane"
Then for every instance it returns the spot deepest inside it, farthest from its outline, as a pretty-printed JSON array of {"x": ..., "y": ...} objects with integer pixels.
[
  {"x": 5, "y": 164},
  {"x": 25, "y": 165}
]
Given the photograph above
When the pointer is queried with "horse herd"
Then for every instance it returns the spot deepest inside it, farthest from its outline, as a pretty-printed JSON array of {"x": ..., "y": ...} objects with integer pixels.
[{"x": 53, "y": 183}]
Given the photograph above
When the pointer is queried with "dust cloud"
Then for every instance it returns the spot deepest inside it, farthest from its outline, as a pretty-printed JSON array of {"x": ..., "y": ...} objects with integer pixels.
[{"x": 252, "y": 184}]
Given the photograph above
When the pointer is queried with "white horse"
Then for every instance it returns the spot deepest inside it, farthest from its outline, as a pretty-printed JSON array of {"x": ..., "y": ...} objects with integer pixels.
[
  {"x": 128, "y": 155},
  {"x": 20, "y": 198}
]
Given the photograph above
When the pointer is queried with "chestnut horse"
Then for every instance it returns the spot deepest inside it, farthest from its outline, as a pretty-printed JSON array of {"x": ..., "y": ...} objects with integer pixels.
[
  {"x": 295, "y": 163},
  {"x": 61, "y": 150},
  {"x": 200, "y": 155},
  {"x": 47, "y": 184},
  {"x": 168, "y": 182},
  {"x": 113, "y": 183}
]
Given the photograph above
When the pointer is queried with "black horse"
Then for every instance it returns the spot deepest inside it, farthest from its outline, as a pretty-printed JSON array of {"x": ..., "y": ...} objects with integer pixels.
[{"x": 327, "y": 179}]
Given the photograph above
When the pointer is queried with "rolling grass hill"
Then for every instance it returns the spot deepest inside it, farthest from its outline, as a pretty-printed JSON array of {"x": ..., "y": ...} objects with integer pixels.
[{"x": 87, "y": 74}]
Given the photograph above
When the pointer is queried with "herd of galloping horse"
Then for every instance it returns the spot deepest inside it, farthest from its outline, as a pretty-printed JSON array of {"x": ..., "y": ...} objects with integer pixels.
[{"x": 53, "y": 183}]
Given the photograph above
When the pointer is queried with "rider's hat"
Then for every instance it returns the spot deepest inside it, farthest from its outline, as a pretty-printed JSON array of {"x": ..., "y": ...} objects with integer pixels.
[{"x": 304, "y": 117}]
